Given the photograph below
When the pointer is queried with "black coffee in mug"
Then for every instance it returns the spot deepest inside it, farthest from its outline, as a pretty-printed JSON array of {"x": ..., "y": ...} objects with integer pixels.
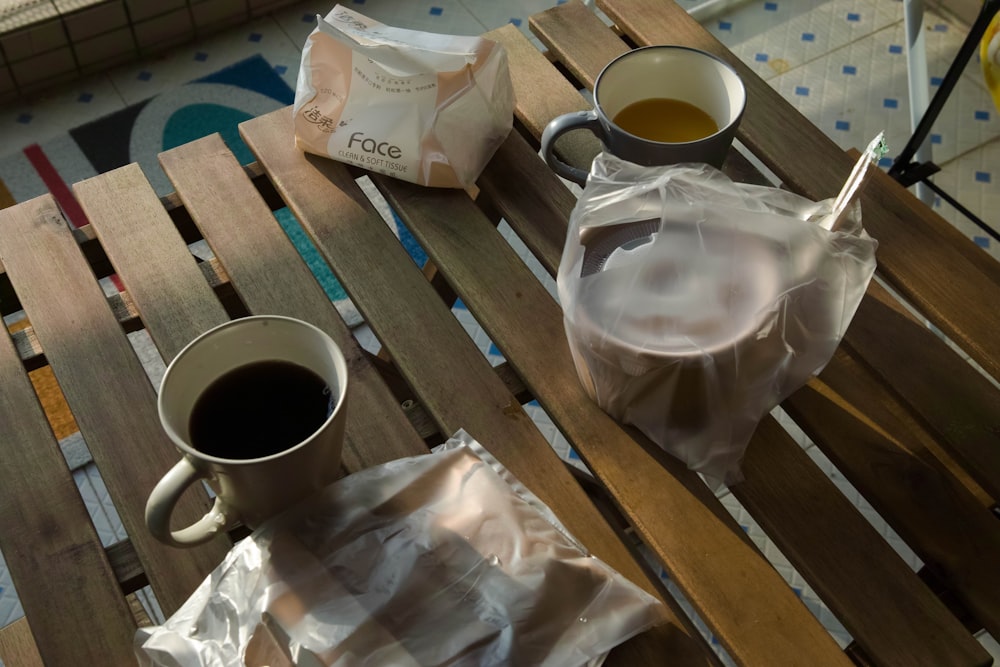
[{"x": 259, "y": 409}]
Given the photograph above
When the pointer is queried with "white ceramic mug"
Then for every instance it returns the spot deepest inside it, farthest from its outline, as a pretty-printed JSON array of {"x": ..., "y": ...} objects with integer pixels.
[
  {"x": 249, "y": 490},
  {"x": 672, "y": 72}
]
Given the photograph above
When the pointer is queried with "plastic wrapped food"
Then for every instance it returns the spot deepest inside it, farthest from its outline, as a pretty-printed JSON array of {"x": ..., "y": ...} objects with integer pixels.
[
  {"x": 431, "y": 560},
  {"x": 694, "y": 305}
]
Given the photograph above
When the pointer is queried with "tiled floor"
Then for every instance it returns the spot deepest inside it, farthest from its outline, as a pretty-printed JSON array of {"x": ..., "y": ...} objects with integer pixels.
[{"x": 841, "y": 62}]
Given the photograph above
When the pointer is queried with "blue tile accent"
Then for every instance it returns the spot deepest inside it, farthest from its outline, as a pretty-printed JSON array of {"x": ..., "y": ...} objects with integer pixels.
[
  {"x": 842, "y": 125},
  {"x": 308, "y": 18},
  {"x": 853, "y": 17},
  {"x": 460, "y": 304},
  {"x": 560, "y": 2},
  {"x": 770, "y": 6},
  {"x": 436, "y": 11},
  {"x": 85, "y": 97},
  {"x": 885, "y": 162},
  {"x": 983, "y": 177},
  {"x": 746, "y": 529},
  {"x": 937, "y": 202},
  {"x": 982, "y": 115},
  {"x": 940, "y": 27},
  {"x": 935, "y": 138},
  {"x": 761, "y": 57},
  {"x": 890, "y": 103},
  {"x": 145, "y": 76},
  {"x": 534, "y": 404},
  {"x": 495, "y": 351},
  {"x": 24, "y": 118},
  {"x": 201, "y": 56},
  {"x": 725, "y": 25},
  {"x": 895, "y": 48},
  {"x": 573, "y": 455},
  {"x": 981, "y": 241},
  {"x": 802, "y": 91},
  {"x": 936, "y": 80},
  {"x": 516, "y": 22},
  {"x": 850, "y": 69},
  {"x": 808, "y": 37},
  {"x": 280, "y": 69},
  {"x": 797, "y": 591},
  {"x": 255, "y": 37}
]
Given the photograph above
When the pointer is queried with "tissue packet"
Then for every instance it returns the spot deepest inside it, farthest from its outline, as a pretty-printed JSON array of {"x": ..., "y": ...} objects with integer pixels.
[{"x": 422, "y": 107}]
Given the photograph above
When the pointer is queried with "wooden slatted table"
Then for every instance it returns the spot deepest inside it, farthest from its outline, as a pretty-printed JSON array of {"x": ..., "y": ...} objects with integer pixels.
[{"x": 909, "y": 422}]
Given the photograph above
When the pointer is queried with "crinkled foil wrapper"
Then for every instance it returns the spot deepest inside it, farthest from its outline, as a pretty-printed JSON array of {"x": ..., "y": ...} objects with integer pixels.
[{"x": 431, "y": 560}]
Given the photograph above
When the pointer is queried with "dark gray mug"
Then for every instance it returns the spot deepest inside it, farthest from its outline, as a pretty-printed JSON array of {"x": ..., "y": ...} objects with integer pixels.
[{"x": 672, "y": 72}]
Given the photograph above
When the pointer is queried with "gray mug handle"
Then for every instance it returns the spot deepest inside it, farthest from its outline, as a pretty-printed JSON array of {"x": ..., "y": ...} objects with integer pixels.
[{"x": 559, "y": 126}]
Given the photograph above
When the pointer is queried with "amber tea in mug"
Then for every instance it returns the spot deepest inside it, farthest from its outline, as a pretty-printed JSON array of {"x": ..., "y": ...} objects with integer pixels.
[
  {"x": 657, "y": 105},
  {"x": 666, "y": 119}
]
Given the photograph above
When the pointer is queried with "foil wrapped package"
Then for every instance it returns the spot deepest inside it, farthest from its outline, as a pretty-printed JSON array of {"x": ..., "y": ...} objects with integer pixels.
[{"x": 431, "y": 560}]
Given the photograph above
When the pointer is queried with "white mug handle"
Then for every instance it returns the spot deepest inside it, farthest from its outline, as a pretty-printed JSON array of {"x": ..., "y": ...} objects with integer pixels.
[{"x": 163, "y": 499}]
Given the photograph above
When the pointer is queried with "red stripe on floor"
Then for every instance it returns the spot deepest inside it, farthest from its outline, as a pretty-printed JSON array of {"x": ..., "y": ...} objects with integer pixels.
[{"x": 56, "y": 185}]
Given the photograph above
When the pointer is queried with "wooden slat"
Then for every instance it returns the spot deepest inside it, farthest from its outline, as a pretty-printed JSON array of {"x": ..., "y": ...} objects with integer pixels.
[
  {"x": 957, "y": 402},
  {"x": 48, "y": 541},
  {"x": 574, "y": 22},
  {"x": 94, "y": 253},
  {"x": 104, "y": 384},
  {"x": 927, "y": 260},
  {"x": 536, "y": 110},
  {"x": 881, "y": 452},
  {"x": 666, "y": 508},
  {"x": 531, "y": 212},
  {"x": 142, "y": 243},
  {"x": 271, "y": 277},
  {"x": 121, "y": 304},
  {"x": 18, "y": 649},
  {"x": 449, "y": 374},
  {"x": 880, "y": 601}
]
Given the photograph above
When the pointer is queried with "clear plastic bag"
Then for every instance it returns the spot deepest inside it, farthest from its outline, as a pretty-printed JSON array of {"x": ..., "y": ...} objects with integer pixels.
[
  {"x": 694, "y": 305},
  {"x": 431, "y": 560}
]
